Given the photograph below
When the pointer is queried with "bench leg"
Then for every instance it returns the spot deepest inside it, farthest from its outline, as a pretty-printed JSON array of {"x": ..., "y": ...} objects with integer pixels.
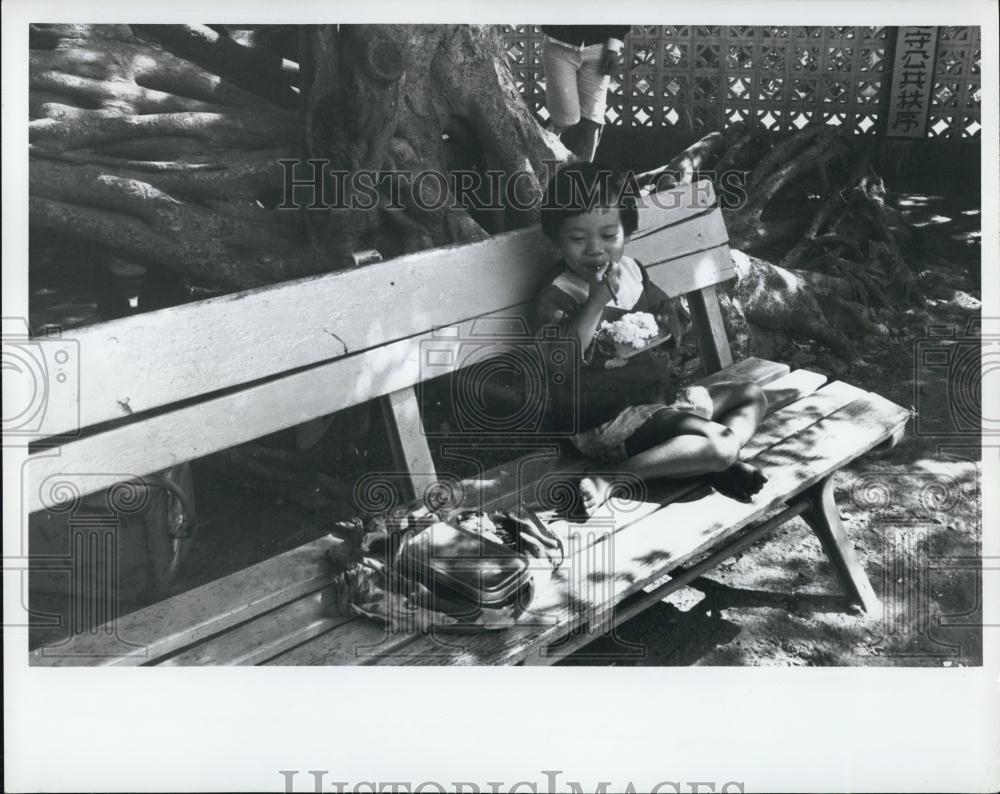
[
  {"x": 171, "y": 524},
  {"x": 408, "y": 442},
  {"x": 823, "y": 518}
]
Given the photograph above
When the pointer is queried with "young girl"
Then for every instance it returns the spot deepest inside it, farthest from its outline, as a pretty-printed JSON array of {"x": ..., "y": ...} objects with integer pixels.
[{"x": 631, "y": 418}]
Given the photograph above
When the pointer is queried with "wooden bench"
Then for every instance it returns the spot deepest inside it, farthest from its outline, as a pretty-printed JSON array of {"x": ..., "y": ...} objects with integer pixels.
[{"x": 174, "y": 385}]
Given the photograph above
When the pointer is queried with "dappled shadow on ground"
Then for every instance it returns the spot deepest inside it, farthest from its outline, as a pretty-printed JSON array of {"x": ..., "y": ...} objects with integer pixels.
[
  {"x": 706, "y": 632},
  {"x": 662, "y": 635},
  {"x": 779, "y": 604}
]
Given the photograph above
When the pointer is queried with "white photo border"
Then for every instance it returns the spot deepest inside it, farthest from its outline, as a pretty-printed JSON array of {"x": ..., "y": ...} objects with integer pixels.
[{"x": 772, "y": 729}]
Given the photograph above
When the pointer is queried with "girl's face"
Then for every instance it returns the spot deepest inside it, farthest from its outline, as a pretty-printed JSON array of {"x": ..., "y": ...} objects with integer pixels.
[{"x": 592, "y": 240}]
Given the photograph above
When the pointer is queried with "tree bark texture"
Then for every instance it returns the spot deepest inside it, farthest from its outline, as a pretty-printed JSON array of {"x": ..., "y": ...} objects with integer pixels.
[{"x": 161, "y": 144}]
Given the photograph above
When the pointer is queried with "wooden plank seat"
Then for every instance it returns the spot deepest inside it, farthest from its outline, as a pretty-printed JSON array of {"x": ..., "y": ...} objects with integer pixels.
[{"x": 630, "y": 554}]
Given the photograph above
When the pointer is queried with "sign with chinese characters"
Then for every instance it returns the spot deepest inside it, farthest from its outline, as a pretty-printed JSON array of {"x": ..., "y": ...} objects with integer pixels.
[{"x": 912, "y": 80}]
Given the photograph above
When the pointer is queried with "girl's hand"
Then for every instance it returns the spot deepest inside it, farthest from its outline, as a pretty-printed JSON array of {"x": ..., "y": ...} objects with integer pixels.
[{"x": 605, "y": 282}]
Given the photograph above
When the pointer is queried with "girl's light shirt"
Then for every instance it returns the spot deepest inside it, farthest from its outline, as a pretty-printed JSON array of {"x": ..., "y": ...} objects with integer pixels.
[{"x": 629, "y": 288}]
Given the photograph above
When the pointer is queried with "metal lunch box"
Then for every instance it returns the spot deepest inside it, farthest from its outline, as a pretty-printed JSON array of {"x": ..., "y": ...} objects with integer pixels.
[{"x": 459, "y": 565}]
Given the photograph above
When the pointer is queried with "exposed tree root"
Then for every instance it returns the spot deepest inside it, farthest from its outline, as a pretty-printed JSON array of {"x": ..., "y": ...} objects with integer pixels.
[
  {"x": 151, "y": 140},
  {"x": 811, "y": 202}
]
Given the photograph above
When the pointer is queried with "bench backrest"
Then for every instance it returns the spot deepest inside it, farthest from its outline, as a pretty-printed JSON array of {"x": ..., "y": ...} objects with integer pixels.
[{"x": 173, "y": 385}]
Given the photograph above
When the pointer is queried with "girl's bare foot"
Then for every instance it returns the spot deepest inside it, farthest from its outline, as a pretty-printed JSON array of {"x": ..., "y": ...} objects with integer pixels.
[
  {"x": 740, "y": 481},
  {"x": 594, "y": 490}
]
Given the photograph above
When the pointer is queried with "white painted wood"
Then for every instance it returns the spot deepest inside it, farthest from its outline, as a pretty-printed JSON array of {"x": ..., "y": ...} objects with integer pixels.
[
  {"x": 673, "y": 206},
  {"x": 791, "y": 388},
  {"x": 150, "y": 360},
  {"x": 710, "y": 330},
  {"x": 757, "y": 370},
  {"x": 263, "y": 637},
  {"x": 193, "y": 431},
  {"x": 698, "y": 232},
  {"x": 803, "y": 413},
  {"x": 694, "y": 234},
  {"x": 358, "y": 641},
  {"x": 692, "y": 272},
  {"x": 410, "y": 451}
]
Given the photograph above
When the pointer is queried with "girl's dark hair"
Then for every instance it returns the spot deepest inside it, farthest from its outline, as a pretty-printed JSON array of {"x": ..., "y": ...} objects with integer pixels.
[{"x": 580, "y": 187}]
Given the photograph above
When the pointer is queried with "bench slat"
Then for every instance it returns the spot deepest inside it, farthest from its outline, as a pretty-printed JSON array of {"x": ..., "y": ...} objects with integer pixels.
[
  {"x": 359, "y": 641},
  {"x": 682, "y": 531},
  {"x": 197, "y": 348},
  {"x": 782, "y": 392},
  {"x": 188, "y": 617},
  {"x": 753, "y": 369},
  {"x": 806, "y": 411},
  {"x": 264, "y": 637},
  {"x": 658, "y": 211},
  {"x": 502, "y": 483},
  {"x": 702, "y": 229},
  {"x": 218, "y": 423},
  {"x": 678, "y": 246},
  {"x": 190, "y": 350},
  {"x": 692, "y": 272}
]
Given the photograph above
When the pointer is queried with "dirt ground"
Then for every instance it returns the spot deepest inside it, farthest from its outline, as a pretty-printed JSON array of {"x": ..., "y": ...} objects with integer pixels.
[{"x": 913, "y": 513}]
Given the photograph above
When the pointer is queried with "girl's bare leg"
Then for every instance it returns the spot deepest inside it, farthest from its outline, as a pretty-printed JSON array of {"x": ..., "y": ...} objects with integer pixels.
[
  {"x": 690, "y": 446},
  {"x": 674, "y": 444},
  {"x": 738, "y": 406}
]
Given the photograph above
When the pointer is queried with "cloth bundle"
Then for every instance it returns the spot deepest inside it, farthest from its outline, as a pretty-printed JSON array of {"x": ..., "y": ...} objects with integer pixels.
[{"x": 373, "y": 581}]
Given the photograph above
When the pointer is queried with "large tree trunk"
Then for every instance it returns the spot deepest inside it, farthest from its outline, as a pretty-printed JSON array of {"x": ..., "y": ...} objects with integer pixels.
[{"x": 161, "y": 144}]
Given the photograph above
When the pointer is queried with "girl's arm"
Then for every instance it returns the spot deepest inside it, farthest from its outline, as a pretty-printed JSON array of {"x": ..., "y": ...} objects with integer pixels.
[
  {"x": 584, "y": 324},
  {"x": 574, "y": 320},
  {"x": 554, "y": 307}
]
